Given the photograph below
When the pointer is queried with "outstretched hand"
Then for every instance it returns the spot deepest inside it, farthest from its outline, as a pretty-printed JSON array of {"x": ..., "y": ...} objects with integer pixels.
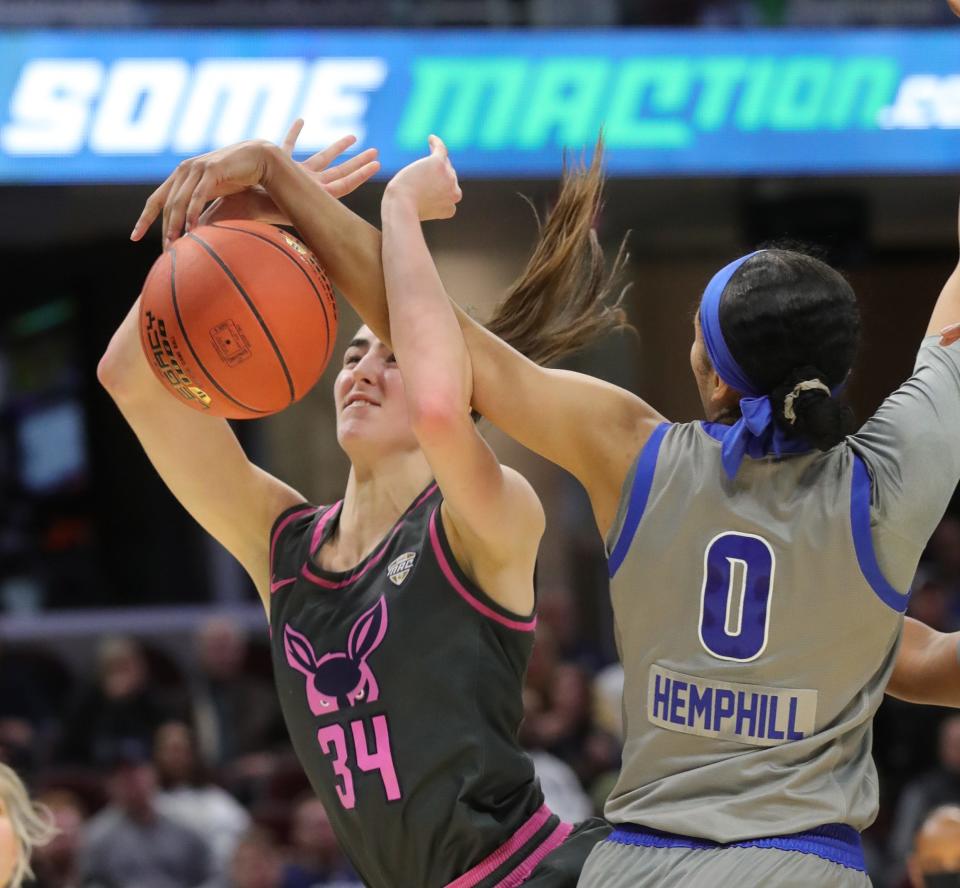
[
  {"x": 430, "y": 183},
  {"x": 235, "y": 174}
]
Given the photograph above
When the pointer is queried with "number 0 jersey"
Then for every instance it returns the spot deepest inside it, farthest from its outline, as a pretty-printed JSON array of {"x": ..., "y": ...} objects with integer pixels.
[
  {"x": 400, "y": 682},
  {"x": 758, "y": 617}
]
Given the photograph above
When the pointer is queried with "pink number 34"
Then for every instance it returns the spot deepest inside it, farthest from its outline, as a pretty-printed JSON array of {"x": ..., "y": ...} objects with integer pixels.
[{"x": 334, "y": 743}]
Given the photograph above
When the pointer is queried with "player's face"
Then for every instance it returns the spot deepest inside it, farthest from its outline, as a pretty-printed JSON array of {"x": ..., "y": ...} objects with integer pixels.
[
  {"x": 369, "y": 396},
  {"x": 9, "y": 847}
]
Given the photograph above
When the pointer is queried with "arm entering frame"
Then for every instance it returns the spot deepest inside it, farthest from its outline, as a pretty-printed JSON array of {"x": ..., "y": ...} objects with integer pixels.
[{"x": 438, "y": 380}]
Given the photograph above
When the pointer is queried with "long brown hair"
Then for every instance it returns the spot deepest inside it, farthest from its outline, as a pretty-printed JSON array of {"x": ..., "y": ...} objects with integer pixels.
[{"x": 565, "y": 298}]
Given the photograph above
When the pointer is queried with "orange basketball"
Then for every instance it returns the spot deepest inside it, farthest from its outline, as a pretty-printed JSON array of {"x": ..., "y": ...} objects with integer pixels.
[{"x": 238, "y": 319}]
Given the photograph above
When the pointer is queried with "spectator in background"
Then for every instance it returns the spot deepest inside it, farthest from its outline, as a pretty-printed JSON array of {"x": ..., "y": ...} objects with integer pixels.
[
  {"x": 556, "y": 702},
  {"x": 27, "y": 714},
  {"x": 935, "y": 862},
  {"x": 236, "y": 714},
  {"x": 317, "y": 858},
  {"x": 561, "y": 788},
  {"x": 256, "y": 863},
  {"x": 938, "y": 787},
  {"x": 131, "y": 843},
  {"x": 944, "y": 550},
  {"x": 190, "y": 796},
  {"x": 557, "y": 610},
  {"x": 931, "y": 600},
  {"x": 23, "y": 826},
  {"x": 120, "y": 707},
  {"x": 56, "y": 864}
]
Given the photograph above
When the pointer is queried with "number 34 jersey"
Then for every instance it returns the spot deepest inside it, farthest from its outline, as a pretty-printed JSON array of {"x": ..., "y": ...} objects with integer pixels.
[
  {"x": 758, "y": 617},
  {"x": 400, "y": 683}
]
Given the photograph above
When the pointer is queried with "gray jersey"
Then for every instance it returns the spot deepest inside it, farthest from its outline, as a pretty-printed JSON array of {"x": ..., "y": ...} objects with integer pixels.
[{"x": 758, "y": 617}]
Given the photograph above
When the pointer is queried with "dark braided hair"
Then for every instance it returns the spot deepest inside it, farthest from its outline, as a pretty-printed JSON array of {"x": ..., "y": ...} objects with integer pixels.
[{"x": 788, "y": 318}]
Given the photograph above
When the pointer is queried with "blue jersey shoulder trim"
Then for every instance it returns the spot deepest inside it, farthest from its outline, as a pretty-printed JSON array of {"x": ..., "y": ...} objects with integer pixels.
[
  {"x": 639, "y": 493},
  {"x": 860, "y": 496}
]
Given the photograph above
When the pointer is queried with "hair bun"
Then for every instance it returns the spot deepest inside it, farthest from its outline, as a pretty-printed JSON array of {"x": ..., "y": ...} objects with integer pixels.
[{"x": 810, "y": 411}]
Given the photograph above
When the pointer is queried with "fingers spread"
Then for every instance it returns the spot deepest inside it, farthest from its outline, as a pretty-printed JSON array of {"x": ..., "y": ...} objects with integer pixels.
[
  {"x": 151, "y": 209},
  {"x": 322, "y": 159},
  {"x": 290, "y": 139},
  {"x": 352, "y": 181},
  {"x": 176, "y": 208},
  {"x": 348, "y": 166}
]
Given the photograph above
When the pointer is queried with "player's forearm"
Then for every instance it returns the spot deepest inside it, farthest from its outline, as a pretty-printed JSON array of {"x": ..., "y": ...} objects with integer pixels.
[
  {"x": 942, "y": 687},
  {"x": 928, "y": 666},
  {"x": 424, "y": 329},
  {"x": 346, "y": 245},
  {"x": 123, "y": 370}
]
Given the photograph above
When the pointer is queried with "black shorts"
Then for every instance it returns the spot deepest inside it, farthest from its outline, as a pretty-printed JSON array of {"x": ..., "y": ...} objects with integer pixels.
[{"x": 561, "y": 867}]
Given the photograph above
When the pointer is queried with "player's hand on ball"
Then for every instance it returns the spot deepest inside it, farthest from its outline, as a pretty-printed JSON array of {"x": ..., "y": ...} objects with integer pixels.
[
  {"x": 199, "y": 180},
  {"x": 429, "y": 183},
  {"x": 237, "y": 168}
]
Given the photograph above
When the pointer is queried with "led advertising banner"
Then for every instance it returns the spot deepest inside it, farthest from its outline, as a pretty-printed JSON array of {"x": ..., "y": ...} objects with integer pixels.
[{"x": 128, "y": 106}]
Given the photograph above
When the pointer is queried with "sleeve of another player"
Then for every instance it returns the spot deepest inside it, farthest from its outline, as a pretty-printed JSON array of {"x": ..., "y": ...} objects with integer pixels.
[{"x": 911, "y": 448}]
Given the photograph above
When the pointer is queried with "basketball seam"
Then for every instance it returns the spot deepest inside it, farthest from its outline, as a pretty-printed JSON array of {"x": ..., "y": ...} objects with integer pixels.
[
  {"x": 302, "y": 271},
  {"x": 266, "y": 330},
  {"x": 186, "y": 338}
]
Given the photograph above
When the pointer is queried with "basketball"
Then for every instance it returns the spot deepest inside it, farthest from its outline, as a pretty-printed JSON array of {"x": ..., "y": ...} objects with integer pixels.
[
  {"x": 955, "y": 6},
  {"x": 238, "y": 319}
]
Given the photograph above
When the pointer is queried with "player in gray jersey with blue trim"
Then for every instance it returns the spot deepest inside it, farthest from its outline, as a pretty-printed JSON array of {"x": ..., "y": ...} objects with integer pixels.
[{"x": 759, "y": 561}]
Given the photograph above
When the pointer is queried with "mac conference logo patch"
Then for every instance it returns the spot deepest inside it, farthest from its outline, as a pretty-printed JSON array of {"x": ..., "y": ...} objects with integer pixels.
[{"x": 399, "y": 569}]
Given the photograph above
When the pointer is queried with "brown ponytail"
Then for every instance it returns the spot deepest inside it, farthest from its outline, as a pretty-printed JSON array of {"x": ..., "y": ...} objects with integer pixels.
[{"x": 563, "y": 300}]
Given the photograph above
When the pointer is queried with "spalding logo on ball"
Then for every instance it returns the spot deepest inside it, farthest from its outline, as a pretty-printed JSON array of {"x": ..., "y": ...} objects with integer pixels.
[{"x": 238, "y": 319}]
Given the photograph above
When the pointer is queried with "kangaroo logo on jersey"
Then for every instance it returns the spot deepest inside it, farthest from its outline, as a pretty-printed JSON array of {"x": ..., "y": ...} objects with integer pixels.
[
  {"x": 339, "y": 679},
  {"x": 399, "y": 569}
]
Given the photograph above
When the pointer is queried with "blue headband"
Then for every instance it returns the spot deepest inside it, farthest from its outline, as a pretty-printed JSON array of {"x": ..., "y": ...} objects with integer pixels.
[
  {"x": 723, "y": 361},
  {"x": 755, "y": 433}
]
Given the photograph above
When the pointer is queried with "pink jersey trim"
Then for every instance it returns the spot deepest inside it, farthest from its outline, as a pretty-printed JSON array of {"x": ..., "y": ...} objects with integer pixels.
[
  {"x": 521, "y": 626},
  {"x": 525, "y": 869},
  {"x": 308, "y": 574},
  {"x": 426, "y": 495},
  {"x": 276, "y": 536},
  {"x": 478, "y": 873},
  {"x": 276, "y": 587},
  {"x": 322, "y": 524}
]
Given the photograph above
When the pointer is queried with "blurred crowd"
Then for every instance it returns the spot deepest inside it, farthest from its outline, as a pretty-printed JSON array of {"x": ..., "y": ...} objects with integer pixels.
[
  {"x": 477, "y": 13},
  {"x": 164, "y": 772}
]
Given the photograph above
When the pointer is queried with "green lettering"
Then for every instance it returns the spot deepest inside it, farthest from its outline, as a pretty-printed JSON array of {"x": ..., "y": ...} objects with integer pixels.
[
  {"x": 753, "y": 100},
  {"x": 662, "y": 84},
  {"x": 800, "y": 94},
  {"x": 864, "y": 86},
  {"x": 564, "y": 99},
  {"x": 721, "y": 76},
  {"x": 466, "y": 101}
]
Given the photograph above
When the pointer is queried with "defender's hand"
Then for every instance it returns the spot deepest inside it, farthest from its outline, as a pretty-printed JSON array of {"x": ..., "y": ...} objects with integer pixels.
[
  {"x": 197, "y": 181},
  {"x": 430, "y": 184},
  {"x": 338, "y": 181}
]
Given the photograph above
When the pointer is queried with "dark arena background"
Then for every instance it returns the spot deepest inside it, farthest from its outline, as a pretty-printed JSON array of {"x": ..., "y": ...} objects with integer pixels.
[{"x": 728, "y": 123}]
